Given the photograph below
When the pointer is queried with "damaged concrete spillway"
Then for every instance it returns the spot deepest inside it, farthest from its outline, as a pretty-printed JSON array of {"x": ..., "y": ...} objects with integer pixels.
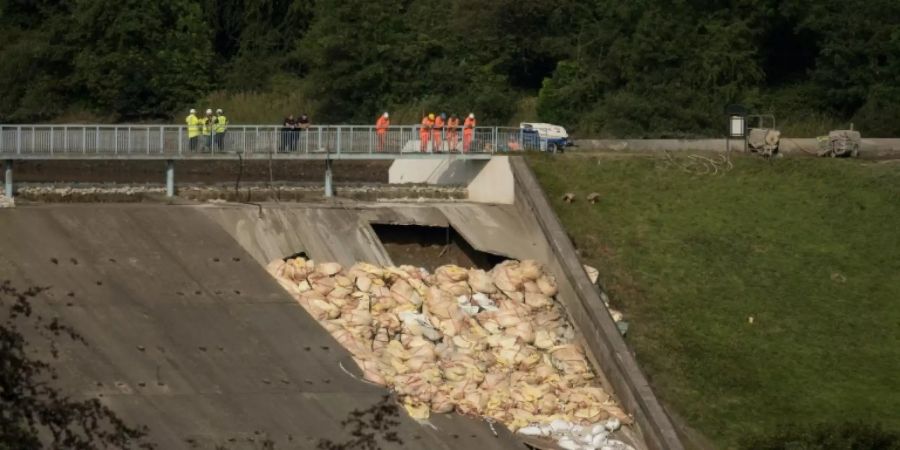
[{"x": 190, "y": 336}]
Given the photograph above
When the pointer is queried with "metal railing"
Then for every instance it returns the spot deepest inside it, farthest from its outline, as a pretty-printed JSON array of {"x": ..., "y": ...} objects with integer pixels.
[{"x": 176, "y": 141}]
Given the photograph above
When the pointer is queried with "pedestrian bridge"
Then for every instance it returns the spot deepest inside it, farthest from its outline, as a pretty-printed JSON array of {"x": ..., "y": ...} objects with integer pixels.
[{"x": 326, "y": 142}]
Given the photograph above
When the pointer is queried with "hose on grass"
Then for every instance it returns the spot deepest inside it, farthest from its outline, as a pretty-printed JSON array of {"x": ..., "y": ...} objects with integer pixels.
[{"x": 701, "y": 165}]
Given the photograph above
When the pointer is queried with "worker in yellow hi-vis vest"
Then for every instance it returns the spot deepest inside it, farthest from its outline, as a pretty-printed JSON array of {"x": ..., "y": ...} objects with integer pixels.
[
  {"x": 221, "y": 125},
  {"x": 206, "y": 124},
  {"x": 193, "y": 128}
]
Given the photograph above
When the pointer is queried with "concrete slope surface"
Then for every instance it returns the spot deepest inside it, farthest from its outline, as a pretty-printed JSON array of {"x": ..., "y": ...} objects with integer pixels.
[{"x": 189, "y": 336}]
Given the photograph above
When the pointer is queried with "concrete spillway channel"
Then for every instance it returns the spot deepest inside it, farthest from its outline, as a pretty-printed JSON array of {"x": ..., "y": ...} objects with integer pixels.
[{"x": 191, "y": 337}]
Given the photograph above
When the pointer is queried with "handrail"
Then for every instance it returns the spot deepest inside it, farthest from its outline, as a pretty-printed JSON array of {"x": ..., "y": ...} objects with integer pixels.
[{"x": 133, "y": 140}]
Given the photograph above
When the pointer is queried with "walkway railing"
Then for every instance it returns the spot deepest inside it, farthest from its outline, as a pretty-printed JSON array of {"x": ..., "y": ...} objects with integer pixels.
[{"x": 175, "y": 141}]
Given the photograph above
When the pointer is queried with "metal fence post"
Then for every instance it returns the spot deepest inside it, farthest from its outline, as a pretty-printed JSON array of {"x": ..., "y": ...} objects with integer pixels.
[
  {"x": 97, "y": 139},
  {"x": 83, "y": 140},
  {"x": 8, "y": 168},
  {"x": 494, "y": 146},
  {"x": 116, "y": 140},
  {"x": 51, "y": 139},
  {"x": 162, "y": 141},
  {"x": 18, "y": 140},
  {"x": 180, "y": 140},
  {"x": 329, "y": 191},
  {"x": 170, "y": 178},
  {"x": 66, "y": 139},
  {"x": 337, "y": 141}
]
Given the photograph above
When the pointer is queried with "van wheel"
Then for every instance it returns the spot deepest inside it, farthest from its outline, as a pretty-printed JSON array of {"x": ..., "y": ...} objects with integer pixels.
[{"x": 552, "y": 148}]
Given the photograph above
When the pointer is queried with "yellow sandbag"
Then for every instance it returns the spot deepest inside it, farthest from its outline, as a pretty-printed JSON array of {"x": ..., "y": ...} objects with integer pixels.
[
  {"x": 537, "y": 300},
  {"x": 276, "y": 267},
  {"x": 455, "y": 288},
  {"x": 322, "y": 285},
  {"x": 416, "y": 410},
  {"x": 441, "y": 403},
  {"x": 544, "y": 339},
  {"x": 452, "y": 273},
  {"x": 591, "y": 414},
  {"x": 344, "y": 282},
  {"x": 531, "y": 269},
  {"x": 522, "y": 330},
  {"x": 480, "y": 281},
  {"x": 502, "y": 281},
  {"x": 330, "y": 268},
  {"x": 402, "y": 292},
  {"x": 531, "y": 287},
  {"x": 547, "y": 285},
  {"x": 548, "y": 404},
  {"x": 322, "y": 310}
]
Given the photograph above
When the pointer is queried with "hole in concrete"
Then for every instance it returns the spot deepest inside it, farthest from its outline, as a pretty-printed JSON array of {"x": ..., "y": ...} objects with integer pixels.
[
  {"x": 297, "y": 255},
  {"x": 431, "y": 247}
]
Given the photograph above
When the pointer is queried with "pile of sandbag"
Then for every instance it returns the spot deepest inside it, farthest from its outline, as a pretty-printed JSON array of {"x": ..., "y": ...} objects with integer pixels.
[{"x": 492, "y": 344}]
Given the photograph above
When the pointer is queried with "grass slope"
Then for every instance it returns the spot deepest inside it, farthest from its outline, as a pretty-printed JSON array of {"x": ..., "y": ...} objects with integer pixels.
[{"x": 809, "y": 247}]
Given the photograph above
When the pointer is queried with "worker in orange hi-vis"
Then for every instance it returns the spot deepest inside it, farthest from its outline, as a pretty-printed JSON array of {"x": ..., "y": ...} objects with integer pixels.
[
  {"x": 437, "y": 139},
  {"x": 453, "y": 132},
  {"x": 468, "y": 132},
  {"x": 425, "y": 131},
  {"x": 381, "y": 128}
]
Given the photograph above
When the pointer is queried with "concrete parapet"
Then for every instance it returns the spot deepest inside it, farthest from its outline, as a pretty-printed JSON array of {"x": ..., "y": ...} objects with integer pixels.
[{"x": 487, "y": 181}]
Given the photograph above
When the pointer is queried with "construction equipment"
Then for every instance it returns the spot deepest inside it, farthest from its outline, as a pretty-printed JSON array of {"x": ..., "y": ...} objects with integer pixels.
[
  {"x": 763, "y": 138},
  {"x": 764, "y": 141},
  {"x": 840, "y": 143}
]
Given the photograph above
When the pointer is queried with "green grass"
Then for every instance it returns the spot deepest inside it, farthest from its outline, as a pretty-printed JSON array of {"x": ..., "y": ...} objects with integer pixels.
[{"x": 810, "y": 248}]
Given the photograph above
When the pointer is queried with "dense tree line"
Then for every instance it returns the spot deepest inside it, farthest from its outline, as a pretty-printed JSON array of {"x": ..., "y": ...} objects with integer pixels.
[{"x": 637, "y": 68}]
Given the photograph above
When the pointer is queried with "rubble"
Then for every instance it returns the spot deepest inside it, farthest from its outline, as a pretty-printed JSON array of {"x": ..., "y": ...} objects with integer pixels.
[
  {"x": 7, "y": 202},
  {"x": 491, "y": 344}
]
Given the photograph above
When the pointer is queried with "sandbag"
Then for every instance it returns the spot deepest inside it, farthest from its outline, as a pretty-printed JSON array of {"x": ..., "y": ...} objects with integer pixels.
[{"x": 491, "y": 344}]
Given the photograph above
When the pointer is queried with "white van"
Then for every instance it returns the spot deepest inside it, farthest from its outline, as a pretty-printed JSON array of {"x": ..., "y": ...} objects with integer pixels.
[{"x": 548, "y": 137}]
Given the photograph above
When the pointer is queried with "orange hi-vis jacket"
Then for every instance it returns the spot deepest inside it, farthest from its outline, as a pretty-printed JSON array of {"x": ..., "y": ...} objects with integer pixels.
[
  {"x": 438, "y": 127},
  {"x": 469, "y": 125},
  {"x": 382, "y": 124},
  {"x": 427, "y": 124}
]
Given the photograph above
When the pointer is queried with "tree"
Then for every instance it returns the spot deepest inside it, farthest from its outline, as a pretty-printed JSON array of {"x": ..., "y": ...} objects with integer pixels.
[
  {"x": 138, "y": 58},
  {"x": 34, "y": 414}
]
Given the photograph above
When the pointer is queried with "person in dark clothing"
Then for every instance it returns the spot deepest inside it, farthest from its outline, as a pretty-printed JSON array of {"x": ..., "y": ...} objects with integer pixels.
[
  {"x": 287, "y": 133},
  {"x": 302, "y": 129}
]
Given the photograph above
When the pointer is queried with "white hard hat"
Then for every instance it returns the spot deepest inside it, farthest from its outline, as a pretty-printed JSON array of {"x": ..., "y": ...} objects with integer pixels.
[
  {"x": 193, "y": 111},
  {"x": 386, "y": 114},
  {"x": 471, "y": 115},
  {"x": 209, "y": 111},
  {"x": 219, "y": 111}
]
